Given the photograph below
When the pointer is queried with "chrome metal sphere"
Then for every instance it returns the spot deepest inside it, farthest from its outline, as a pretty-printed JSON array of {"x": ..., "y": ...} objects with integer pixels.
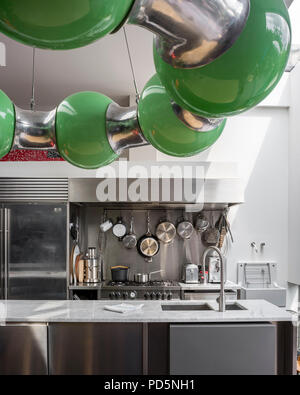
[
  {"x": 35, "y": 130},
  {"x": 191, "y": 33},
  {"x": 122, "y": 128}
]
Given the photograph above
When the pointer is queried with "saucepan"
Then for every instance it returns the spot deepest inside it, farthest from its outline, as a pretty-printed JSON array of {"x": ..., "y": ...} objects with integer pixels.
[
  {"x": 119, "y": 274},
  {"x": 143, "y": 278}
]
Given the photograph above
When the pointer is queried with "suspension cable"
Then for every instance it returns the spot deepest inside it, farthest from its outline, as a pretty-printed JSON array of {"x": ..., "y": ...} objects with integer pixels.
[
  {"x": 32, "y": 101},
  {"x": 131, "y": 66}
]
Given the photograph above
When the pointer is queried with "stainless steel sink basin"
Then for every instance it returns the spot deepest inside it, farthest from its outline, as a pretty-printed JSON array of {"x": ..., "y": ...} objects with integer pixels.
[
  {"x": 235, "y": 307},
  {"x": 186, "y": 307}
]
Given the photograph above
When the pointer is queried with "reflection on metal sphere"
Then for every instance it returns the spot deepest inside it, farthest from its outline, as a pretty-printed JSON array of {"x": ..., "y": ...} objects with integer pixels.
[
  {"x": 35, "y": 130},
  {"x": 191, "y": 33},
  {"x": 195, "y": 122},
  {"x": 122, "y": 128}
]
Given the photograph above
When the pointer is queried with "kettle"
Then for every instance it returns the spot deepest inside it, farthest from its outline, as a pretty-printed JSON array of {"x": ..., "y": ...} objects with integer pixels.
[{"x": 191, "y": 273}]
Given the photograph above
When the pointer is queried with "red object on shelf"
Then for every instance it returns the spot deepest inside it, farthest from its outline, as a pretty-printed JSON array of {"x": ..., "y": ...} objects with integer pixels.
[{"x": 31, "y": 155}]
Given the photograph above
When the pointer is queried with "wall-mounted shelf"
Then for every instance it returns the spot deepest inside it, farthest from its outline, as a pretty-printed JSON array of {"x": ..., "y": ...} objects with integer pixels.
[{"x": 85, "y": 287}]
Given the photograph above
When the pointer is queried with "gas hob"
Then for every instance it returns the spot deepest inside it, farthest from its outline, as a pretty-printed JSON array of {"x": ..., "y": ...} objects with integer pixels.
[{"x": 152, "y": 290}]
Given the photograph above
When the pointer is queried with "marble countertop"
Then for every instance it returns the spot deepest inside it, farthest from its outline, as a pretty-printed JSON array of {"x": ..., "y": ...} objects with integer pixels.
[{"x": 93, "y": 311}]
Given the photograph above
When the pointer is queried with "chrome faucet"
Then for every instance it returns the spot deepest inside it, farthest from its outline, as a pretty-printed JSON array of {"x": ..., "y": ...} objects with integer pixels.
[{"x": 222, "y": 301}]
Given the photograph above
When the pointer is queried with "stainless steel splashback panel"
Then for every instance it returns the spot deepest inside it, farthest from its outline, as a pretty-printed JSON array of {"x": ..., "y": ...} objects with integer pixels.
[
  {"x": 170, "y": 258},
  {"x": 33, "y": 189}
]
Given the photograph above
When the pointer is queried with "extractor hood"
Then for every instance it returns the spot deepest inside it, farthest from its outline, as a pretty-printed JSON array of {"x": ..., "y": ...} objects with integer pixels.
[{"x": 157, "y": 191}]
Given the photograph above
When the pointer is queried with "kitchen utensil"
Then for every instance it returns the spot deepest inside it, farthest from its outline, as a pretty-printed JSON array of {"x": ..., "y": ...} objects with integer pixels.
[
  {"x": 201, "y": 223},
  {"x": 191, "y": 273},
  {"x": 130, "y": 240},
  {"x": 143, "y": 278},
  {"x": 228, "y": 227},
  {"x": 119, "y": 229},
  {"x": 166, "y": 232},
  {"x": 119, "y": 274},
  {"x": 106, "y": 226},
  {"x": 73, "y": 231},
  {"x": 74, "y": 255},
  {"x": 91, "y": 267},
  {"x": 148, "y": 245},
  {"x": 221, "y": 225},
  {"x": 185, "y": 229},
  {"x": 78, "y": 271},
  {"x": 223, "y": 234},
  {"x": 224, "y": 228},
  {"x": 212, "y": 235}
]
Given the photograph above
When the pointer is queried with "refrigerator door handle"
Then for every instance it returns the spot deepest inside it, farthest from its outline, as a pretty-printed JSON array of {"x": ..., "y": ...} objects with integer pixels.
[{"x": 6, "y": 249}]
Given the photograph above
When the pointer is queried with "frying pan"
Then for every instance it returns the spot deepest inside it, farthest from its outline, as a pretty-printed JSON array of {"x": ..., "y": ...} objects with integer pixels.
[
  {"x": 148, "y": 245},
  {"x": 166, "y": 231},
  {"x": 185, "y": 229}
]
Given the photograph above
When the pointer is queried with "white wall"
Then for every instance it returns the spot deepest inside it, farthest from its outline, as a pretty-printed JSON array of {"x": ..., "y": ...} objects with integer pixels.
[
  {"x": 294, "y": 179},
  {"x": 258, "y": 143}
]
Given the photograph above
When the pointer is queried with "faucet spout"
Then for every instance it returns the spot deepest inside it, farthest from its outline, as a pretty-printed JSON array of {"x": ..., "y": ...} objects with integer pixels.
[{"x": 222, "y": 301}]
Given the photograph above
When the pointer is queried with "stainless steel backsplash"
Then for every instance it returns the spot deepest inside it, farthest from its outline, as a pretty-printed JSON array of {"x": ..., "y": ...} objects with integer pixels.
[{"x": 170, "y": 259}]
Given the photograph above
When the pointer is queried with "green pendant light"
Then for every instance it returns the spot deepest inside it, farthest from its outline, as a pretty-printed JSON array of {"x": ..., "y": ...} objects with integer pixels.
[
  {"x": 7, "y": 124},
  {"x": 81, "y": 130},
  {"x": 164, "y": 130},
  {"x": 243, "y": 76},
  {"x": 61, "y": 24}
]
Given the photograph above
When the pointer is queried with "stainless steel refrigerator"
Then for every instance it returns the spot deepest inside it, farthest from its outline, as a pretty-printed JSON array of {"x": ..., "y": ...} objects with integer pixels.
[{"x": 33, "y": 255}]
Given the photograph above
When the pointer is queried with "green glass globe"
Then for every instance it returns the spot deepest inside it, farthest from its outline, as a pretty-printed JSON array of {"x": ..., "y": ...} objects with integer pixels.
[
  {"x": 61, "y": 24},
  {"x": 81, "y": 130},
  {"x": 243, "y": 76},
  {"x": 7, "y": 124},
  {"x": 164, "y": 130}
]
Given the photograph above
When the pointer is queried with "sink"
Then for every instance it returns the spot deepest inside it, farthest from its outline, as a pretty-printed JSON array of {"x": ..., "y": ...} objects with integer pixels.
[
  {"x": 234, "y": 307},
  {"x": 186, "y": 307}
]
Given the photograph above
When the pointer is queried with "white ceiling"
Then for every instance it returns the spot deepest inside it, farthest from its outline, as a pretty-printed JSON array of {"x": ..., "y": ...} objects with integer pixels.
[{"x": 102, "y": 66}]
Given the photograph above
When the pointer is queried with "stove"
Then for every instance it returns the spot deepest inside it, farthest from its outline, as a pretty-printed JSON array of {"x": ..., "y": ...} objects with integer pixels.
[{"x": 152, "y": 290}]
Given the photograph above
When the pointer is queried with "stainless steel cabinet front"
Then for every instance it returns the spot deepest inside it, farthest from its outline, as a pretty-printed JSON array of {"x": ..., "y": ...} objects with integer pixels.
[
  {"x": 96, "y": 349},
  {"x": 23, "y": 349}
]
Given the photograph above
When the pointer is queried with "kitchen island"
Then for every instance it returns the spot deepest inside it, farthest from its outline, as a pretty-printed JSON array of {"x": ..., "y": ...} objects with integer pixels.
[{"x": 176, "y": 337}]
